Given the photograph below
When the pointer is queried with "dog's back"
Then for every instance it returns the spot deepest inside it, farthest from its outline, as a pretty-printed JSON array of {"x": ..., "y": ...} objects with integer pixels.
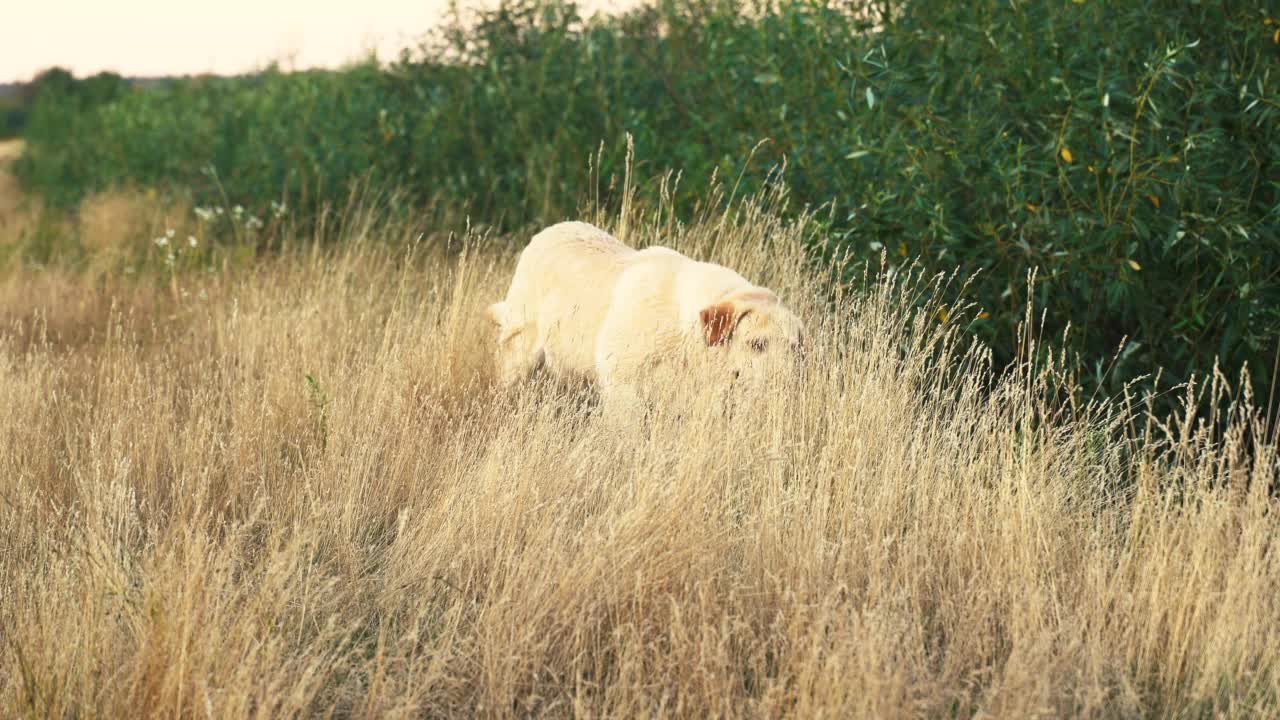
[{"x": 559, "y": 296}]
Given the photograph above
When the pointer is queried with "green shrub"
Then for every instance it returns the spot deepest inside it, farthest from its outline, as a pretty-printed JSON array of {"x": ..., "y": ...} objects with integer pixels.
[
  {"x": 1126, "y": 151},
  {"x": 13, "y": 118}
]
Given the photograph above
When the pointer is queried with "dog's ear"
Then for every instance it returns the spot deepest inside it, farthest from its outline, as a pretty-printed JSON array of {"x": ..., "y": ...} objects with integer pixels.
[
  {"x": 718, "y": 322},
  {"x": 497, "y": 313}
]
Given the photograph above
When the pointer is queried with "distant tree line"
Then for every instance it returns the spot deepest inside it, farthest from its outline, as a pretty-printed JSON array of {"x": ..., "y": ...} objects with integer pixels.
[{"x": 16, "y": 106}]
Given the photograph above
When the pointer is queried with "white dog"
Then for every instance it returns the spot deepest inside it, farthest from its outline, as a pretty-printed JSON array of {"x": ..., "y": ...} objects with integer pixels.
[{"x": 583, "y": 305}]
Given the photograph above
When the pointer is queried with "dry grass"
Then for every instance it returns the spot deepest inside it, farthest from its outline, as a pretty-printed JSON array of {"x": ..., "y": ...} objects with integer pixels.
[
  {"x": 293, "y": 491},
  {"x": 16, "y": 220},
  {"x": 116, "y": 222},
  {"x": 106, "y": 231},
  {"x": 10, "y": 149}
]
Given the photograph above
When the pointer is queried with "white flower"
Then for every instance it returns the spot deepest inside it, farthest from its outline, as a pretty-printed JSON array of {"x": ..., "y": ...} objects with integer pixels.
[
  {"x": 204, "y": 214},
  {"x": 253, "y": 223},
  {"x": 237, "y": 211},
  {"x": 220, "y": 210},
  {"x": 169, "y": 233},
  {"x": 161, "y": 241},
  {"x": 192, "y": 241}
]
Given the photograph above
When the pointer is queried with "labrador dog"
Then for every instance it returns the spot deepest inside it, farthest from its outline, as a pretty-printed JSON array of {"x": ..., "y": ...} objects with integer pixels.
[{"x": 584, "y": 306}]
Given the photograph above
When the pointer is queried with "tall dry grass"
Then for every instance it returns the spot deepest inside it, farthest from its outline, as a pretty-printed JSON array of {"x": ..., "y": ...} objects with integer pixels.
[
  {"x": 15, "y": 217},
  {"x": 293, "y": 491}
]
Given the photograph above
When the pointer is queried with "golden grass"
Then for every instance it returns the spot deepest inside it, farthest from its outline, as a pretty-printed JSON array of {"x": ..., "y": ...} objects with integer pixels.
[
  {"x": 11, "y": 149},
  {"x": 294, "y": 491},
  {"x": 15, "y": 221},
  {"x": 119, "y": 221},
  {"x": 108, "y": 228}
]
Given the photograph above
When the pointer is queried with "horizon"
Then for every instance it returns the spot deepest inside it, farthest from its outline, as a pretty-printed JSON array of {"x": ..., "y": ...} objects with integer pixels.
[{"x": 150, "y": 38}]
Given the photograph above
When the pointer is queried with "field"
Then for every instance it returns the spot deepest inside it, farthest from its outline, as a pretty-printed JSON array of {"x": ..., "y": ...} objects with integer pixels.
[
  {"x": 288, "y": 488},
  {"x": 253, "y": 461}
]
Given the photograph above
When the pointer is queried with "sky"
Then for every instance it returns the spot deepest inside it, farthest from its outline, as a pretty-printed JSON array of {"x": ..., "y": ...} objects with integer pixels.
[{"x": 181, "y": 37}]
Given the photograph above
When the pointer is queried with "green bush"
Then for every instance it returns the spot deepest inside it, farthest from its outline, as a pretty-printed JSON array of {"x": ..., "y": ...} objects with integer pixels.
[
  {"x": 1125, "y": 150},
  {"x": 60, "y": 94},
  {"x": 13, "y": 117}
]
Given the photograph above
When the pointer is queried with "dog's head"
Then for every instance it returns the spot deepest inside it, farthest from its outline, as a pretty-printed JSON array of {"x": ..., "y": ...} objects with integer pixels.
[
  {"x": 753, "y": 335},
  {"x": 514, "y": 358}
]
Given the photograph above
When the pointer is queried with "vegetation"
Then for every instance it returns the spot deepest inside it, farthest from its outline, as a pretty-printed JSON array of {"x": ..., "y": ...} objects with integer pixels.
[
  {"x": 13, "y": 117},
  {"x": 61, "y": 94},
  {"x": 1126, "y": 152},
  {"x": 289, "y": 488},
  {"x": 254, "y": 462}
]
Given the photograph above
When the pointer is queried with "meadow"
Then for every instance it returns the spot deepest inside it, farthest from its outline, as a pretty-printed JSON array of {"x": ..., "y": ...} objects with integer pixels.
[
  {"x": 287, "y": 487},
  {"x": 253, "y": 461}
]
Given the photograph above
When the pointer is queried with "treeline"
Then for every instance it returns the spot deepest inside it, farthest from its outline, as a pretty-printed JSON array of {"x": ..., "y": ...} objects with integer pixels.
[
  {"x": 56, "y": 86},
  {"x": 1126, "y": 151}
]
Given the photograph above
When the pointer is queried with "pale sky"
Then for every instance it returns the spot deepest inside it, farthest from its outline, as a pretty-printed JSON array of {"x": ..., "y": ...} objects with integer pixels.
[{"x": 179, "y": 37}]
